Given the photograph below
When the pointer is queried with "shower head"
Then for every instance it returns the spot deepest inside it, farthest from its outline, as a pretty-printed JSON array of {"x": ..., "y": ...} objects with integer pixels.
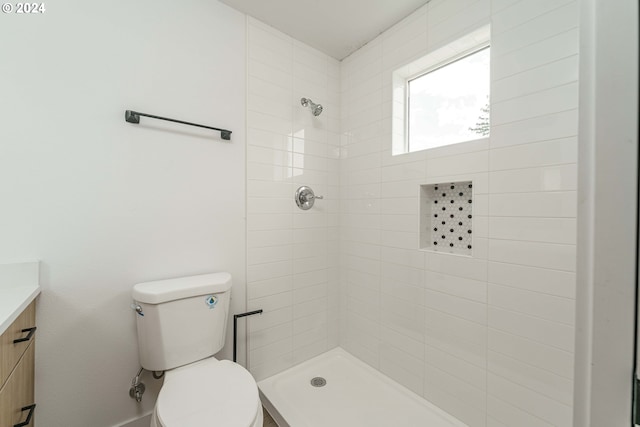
[{"x": 316, "y": 109}]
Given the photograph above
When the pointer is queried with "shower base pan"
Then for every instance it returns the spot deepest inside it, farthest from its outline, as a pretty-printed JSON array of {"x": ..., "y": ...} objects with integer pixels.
[{"x": 353, "y": 395}]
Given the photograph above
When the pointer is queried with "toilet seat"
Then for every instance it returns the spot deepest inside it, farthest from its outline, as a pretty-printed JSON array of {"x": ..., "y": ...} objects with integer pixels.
[{"x": 208, "y": 393}]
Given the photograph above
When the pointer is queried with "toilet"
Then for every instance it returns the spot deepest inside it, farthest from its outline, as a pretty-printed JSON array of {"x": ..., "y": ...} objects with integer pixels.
[{"x": 181, "y": 324}]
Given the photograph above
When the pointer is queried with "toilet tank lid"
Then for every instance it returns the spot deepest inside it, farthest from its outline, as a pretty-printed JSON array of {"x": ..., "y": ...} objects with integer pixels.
[{"x": 160, "y": 291}]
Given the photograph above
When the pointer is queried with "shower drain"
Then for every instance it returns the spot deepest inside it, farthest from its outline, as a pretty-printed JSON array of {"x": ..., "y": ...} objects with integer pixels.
[{"x": 318, "y": 382}]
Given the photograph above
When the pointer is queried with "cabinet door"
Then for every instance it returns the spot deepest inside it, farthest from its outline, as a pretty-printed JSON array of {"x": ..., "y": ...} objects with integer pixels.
[
  {"x": 17, "y": 392},
  {"x": 11, "y": 352}
]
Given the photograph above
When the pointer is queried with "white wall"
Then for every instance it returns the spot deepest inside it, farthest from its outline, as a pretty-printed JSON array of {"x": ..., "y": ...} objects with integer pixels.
[
  {"x": 607, "y": 238},
  {"x": 488, "y": 338},
  {"x": 105, "y": 204},
  {"x": 292, "y": 261}
]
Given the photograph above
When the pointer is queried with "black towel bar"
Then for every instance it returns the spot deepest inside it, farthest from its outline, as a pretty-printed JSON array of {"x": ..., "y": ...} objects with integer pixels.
[{"x": 134, "y": 117}]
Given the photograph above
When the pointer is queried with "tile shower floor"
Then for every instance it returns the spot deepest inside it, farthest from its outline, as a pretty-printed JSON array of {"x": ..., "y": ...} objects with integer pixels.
[{"x": 354, "y": 395}]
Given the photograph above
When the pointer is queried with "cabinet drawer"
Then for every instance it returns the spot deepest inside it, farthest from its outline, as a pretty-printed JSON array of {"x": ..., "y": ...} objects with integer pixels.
[
  {"x": 17, "y": 392},
  {"x": 11, "y": 352}
]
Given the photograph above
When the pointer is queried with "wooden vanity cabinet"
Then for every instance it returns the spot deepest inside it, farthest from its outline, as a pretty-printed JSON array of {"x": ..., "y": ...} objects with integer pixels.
[{"x": 17, "y": 364}]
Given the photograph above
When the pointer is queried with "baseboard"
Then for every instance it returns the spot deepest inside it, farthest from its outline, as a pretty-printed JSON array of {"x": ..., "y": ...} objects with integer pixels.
[{"x": 144, "y": 421}]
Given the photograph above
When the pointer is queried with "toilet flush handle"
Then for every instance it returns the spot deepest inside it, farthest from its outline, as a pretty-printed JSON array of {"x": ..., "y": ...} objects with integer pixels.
[{"x": 137, "y": 309}]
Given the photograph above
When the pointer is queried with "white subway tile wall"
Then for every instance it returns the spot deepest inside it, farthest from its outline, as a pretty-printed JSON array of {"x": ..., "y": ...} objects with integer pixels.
[
  {"x": 488, "y": 338},
  {"x": 292, "y": 255}
]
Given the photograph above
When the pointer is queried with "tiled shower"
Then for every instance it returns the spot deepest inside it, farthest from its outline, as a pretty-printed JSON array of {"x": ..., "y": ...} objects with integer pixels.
[
  {"x": 293, "y": 256},
  {"x": 487, "y": 335}
]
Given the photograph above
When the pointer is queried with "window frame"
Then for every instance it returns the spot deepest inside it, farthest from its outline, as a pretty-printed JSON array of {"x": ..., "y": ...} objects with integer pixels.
[
  {"x": 455, "y": 50},
  {"x": 439, "y": 66}
]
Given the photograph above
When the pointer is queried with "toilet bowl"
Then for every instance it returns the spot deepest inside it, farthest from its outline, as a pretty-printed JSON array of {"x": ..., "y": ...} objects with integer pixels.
[
  {"x": 208, "y": 393},
  {"x": 181, "y": 324}
]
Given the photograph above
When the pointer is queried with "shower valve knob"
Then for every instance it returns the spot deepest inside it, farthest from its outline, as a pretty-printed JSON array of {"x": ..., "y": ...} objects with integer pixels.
[{"x": 305, "y": 198}]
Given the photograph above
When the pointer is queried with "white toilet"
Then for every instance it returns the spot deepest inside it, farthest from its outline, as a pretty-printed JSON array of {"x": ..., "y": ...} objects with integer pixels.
[{"x": 181, "y": 325}]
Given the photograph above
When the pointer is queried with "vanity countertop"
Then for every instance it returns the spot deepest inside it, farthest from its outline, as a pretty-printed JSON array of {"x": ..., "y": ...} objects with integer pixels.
[{"x": 19, "y": 286}]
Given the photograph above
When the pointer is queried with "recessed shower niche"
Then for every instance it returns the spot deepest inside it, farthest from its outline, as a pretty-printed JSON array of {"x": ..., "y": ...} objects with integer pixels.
[{"x": 446, "y": 215}]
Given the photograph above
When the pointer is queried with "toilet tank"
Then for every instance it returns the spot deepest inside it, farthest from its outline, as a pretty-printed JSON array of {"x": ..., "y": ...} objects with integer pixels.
[{"x": 181, "y": 320}]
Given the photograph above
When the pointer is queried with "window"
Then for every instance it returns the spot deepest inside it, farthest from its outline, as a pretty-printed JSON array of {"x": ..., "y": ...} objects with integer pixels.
[
  {"x": 443, "y": 97},
  {"x": 450, "y": 104}
]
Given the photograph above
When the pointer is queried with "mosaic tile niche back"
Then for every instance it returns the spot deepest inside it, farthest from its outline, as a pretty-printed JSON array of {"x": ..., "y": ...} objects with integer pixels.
[{"x": 446, "y": 214}]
